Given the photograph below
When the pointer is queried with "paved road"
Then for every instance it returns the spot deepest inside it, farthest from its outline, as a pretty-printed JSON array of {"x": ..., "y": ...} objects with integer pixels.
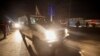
[
  {"x": 87, "y": 47},
  {"x": 15, "y": 46}
]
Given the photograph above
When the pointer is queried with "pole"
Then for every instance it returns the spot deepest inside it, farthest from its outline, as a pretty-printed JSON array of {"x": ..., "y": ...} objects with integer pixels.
[{"x": 69, "y": 11}]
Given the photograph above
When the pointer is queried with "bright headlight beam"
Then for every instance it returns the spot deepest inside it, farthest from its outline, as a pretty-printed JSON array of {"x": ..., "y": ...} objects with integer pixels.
[
  {"x": 50, "y": 36},
  {"x": 17, "y": 25},
  {"x": 66, "y": 32}
]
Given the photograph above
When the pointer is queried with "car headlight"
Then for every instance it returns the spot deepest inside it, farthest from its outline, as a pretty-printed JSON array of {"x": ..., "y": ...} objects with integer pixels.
[
  {"x": 50, "y": 36},
  {"x": 17, "y": 25},
  {"x": 66, "y": 32}
]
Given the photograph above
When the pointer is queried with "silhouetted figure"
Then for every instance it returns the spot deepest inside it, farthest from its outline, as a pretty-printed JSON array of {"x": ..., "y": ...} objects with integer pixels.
[
  {"x": 4, "y": 25},
  {"x": 87, "y": 24},
  {"x": 77, "y": 24}
]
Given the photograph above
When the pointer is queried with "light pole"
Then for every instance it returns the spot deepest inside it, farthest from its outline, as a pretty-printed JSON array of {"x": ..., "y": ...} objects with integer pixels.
[
  {"x": 69, "y": 11},
  {"x": 51, "y": 14}
]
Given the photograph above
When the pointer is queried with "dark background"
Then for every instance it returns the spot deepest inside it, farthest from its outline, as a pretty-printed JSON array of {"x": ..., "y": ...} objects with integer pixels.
[{"x": 77, "y": 8}]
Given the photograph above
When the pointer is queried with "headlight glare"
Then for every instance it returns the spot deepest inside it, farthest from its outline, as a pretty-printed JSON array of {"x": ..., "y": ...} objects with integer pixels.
[{"x": 50, "y": 36}]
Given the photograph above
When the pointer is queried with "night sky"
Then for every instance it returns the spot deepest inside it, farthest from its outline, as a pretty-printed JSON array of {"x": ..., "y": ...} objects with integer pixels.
[{"x": 78, "y": 8}]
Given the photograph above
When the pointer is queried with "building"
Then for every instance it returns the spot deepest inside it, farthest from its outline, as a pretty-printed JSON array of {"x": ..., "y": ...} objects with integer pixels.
[{"x": 73, "y": 21}]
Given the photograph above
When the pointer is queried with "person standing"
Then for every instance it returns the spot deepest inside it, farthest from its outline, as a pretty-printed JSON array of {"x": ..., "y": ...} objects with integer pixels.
[
  {"x": 87, "y": 24},
  {"x": 77, "y": 24},
  {"x": 4, "y": 25}
]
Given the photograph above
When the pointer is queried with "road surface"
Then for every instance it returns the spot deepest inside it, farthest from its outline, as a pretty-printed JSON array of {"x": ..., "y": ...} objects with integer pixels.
[{"x": 15, "y": 46}]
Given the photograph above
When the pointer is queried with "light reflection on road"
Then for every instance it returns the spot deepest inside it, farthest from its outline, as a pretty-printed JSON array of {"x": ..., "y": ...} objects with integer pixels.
[
  {"x": 13, "y": 45},
  {"x": 18, "y": 38}
]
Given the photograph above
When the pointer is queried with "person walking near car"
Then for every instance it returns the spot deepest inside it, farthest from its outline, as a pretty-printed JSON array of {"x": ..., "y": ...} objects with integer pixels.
[{"x": 3, "y": 25}]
